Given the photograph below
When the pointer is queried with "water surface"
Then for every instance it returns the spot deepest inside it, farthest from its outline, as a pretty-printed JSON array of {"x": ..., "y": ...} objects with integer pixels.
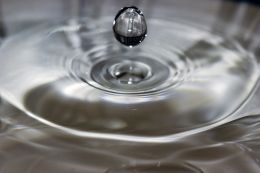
[{"x": 75, "y": 100}]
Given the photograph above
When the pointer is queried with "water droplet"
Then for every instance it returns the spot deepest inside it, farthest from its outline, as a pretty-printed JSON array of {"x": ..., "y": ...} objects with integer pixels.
[{"x": 130, "y": 26}]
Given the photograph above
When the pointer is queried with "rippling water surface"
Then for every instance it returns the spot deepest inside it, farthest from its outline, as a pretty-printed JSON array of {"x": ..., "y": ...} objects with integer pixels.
[{"x": 75, "y": 100}]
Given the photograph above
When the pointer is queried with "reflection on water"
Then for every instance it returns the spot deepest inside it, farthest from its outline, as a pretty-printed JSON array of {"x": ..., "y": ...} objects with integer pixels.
[
  {"x": 79, "y": 79},
  {"x": 231, "y": 147}
]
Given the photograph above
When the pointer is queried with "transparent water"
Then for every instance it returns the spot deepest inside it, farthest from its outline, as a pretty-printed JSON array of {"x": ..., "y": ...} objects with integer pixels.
[
  {"x": 130, "y": 26},
  {"x": 76, "y": 100}
]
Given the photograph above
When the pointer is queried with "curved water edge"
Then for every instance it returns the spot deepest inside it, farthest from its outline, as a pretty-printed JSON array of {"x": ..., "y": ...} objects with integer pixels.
[
  {"x": 232, "y": 146},
  {"x": 207, "y": 79}
]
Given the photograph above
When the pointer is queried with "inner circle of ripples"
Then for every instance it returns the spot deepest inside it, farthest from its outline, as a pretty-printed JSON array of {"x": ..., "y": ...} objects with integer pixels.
[
  {"x": 207, "y": 78},
  {"x": 169, "y": 66}
]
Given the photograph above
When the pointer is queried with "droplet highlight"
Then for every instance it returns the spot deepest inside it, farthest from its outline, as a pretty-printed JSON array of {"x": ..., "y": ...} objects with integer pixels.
[{"x": 129, "y": 26}]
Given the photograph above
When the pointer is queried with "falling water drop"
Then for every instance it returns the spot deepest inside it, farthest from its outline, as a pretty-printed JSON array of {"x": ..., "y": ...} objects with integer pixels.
[{"x": 130, "y": 26}]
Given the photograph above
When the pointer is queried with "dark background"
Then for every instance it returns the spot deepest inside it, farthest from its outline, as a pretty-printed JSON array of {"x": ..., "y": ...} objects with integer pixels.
[{"x": 254, "y": 2}]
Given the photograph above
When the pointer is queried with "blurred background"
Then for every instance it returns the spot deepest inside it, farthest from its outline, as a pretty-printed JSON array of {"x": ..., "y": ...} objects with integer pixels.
[{"x": 235, "y": 18}]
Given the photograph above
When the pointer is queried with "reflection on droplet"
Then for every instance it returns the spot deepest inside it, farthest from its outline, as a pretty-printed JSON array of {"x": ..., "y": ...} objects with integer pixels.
[{"x": 130, "y": 26}]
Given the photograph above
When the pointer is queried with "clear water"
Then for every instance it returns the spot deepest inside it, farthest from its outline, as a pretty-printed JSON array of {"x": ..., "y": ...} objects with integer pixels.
[
  {"x": 130, "y": 26},
  {"x": 79, "y": 101}
]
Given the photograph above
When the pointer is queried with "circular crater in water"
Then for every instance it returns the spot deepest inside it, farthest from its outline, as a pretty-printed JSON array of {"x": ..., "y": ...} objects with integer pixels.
[
  {"x": 129, "y": 72},
  {"x": 180, "y": 79},
  {"x": 127, "y": 75}
]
